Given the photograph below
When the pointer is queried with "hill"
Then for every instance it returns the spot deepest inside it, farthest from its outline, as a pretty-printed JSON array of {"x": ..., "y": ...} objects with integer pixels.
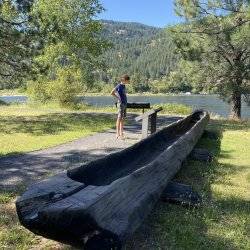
[{"x": 144, "y": 52}]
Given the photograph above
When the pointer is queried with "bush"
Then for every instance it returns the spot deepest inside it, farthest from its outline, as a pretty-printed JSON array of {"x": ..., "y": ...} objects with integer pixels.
[
  {"x": 159, "y": 86},
  {"x": 38, "y": 90},
  {"x": 102, "y": 87},
  {"x": 65, "y": 88}
]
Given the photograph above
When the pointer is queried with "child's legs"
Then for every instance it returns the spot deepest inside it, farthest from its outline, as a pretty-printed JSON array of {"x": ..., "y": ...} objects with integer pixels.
[
  {"x": 121, "y": 126},
  {"x": 118, "y": 121}
]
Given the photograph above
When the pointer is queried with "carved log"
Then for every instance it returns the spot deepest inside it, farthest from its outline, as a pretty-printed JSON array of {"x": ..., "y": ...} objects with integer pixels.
[
  {"x": 180, "y": 194},
  {"x": 103, "y": 202}
]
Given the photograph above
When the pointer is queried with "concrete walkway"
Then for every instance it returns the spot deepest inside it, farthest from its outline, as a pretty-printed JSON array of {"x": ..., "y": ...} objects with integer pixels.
[{"x": 26, "y": 168}]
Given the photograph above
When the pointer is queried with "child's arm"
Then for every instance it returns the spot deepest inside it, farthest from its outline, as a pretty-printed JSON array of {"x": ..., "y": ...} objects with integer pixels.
[{"x": 115, "y": 94}]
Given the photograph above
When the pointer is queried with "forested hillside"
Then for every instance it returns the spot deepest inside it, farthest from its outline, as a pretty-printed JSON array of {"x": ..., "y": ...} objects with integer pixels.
[{"x": 144, "y": 52}]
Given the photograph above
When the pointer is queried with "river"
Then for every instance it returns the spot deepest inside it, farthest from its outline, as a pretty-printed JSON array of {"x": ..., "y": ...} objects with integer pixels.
[{"x": 211, "y": 103}]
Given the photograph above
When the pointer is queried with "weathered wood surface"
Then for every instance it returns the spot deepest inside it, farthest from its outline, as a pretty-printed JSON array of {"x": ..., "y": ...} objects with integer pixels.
[
  {"x": 138, "y": 105},
  {"x": 149, "y": 120},
  {"x": 103, "y": 202},
  {"x": 148, "y": 113},
  {"x": 182, "y": 194}
]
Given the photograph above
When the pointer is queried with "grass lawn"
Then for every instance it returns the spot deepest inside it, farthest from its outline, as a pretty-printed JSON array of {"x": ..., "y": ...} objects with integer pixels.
[
  {"x": 26, "y": 128},
  {"x": 222, "y": 222}
]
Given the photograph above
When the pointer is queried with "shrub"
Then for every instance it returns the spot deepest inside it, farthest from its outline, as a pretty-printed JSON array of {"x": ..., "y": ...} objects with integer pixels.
[
  {"x": 65, "y": 88},
  {"x": 38, "y": 90}
]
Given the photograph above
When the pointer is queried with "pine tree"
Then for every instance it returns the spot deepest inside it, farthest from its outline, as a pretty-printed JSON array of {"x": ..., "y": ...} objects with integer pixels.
[{"x": 215, "y": 40}]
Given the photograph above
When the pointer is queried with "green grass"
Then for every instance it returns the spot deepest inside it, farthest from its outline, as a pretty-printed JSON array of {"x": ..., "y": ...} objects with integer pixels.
[
  {"x": 12, "y": 234},
  {"x": 33, "y": 108},
  {"x": 174, "y": 108},
  {"x": 223, "y": 221},
  {"x": 25, "y": 128},
  {"x": 168, "y": 108}
]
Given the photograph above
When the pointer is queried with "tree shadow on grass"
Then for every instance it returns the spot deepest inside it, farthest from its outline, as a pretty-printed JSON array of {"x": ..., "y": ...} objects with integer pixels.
[
  {"x": 24, "y": 169},
  {"x": 174, "y": 227},
  {"x": 49, "y": 124}
]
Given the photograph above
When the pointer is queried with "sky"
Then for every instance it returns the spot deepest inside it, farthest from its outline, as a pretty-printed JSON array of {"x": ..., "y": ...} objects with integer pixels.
[{"x": 158, "y": 13}]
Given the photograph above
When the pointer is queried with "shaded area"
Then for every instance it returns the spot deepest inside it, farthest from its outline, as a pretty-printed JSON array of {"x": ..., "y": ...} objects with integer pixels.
[
  {"x": 115, "y": 166},
  {"x": 168, "y": 226},
  {"x": 49, "y": 124},
  {"x": 70, "y": 206},
  {"x": 174, "y": 227},
  {"x": 23, "y": 169}
]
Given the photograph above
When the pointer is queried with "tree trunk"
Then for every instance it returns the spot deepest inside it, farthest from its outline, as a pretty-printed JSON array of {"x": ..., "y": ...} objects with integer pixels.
[{"x": 236, "y": 105}]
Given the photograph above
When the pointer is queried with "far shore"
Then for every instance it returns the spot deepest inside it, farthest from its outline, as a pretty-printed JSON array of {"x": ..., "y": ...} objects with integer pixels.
[{"x": 6, "y": 94}]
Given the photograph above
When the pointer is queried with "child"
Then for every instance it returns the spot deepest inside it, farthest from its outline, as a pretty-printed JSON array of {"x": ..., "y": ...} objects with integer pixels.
[{"x": 120, "y": 93}]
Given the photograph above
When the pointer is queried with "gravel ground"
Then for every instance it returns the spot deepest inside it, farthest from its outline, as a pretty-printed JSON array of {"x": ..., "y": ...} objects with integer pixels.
[{"x": 26, "y": 168}]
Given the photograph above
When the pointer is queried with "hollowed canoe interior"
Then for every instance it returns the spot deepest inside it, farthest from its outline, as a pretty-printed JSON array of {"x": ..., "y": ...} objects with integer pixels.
[{"x": 117, "y": 165}]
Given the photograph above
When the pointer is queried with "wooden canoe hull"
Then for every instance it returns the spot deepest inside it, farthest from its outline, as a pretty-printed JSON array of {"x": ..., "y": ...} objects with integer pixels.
[{"x": 106, "y": 200}]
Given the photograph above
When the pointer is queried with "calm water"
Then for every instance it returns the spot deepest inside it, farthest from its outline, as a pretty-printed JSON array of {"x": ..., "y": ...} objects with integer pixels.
[{"x": 208, "y": 102}]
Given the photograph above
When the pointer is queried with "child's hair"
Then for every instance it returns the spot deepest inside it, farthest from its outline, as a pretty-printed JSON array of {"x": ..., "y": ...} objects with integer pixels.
[{"x": 125, "y": 77}]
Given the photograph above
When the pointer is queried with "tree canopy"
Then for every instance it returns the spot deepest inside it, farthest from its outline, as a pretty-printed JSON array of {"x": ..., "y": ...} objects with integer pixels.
[
  {"x": 72, "y": 43},
  {"x": 215, "y": 42},
  {"x": 17, "y": 42},
  {"x": 39, "y": 39}
]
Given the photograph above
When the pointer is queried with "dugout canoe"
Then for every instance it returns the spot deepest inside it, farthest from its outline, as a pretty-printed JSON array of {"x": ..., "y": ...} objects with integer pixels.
[{"x": 100, "y": 204}]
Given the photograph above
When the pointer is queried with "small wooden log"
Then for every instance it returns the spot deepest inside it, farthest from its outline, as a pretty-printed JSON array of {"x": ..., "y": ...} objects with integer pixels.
[
  {"x": 201, "y": 154},
  {"x": 178, "y": 193},
  {"x": 210, "y": 135}
]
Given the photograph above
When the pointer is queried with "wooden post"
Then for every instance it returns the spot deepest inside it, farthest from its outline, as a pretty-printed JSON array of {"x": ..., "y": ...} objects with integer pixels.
[
  {"x": 148, "y": 121},
  {"x": 145, "y": 123},
  {"x": 153, "y": 118}
]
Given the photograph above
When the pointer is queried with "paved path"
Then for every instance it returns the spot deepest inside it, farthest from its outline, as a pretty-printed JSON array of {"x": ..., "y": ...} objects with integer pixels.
[{"x": 26, "y": 168}]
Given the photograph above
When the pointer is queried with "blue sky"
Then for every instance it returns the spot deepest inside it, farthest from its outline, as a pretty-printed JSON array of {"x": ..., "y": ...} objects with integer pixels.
[{"x": 159, "y": 13}]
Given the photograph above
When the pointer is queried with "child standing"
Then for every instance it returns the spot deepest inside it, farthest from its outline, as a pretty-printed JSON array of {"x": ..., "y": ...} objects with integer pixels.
[{"x": 120, "y": 93}]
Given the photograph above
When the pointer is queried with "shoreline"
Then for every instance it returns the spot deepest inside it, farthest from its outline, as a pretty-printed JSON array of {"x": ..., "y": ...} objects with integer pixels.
[{"x": 105, "y": 94}]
